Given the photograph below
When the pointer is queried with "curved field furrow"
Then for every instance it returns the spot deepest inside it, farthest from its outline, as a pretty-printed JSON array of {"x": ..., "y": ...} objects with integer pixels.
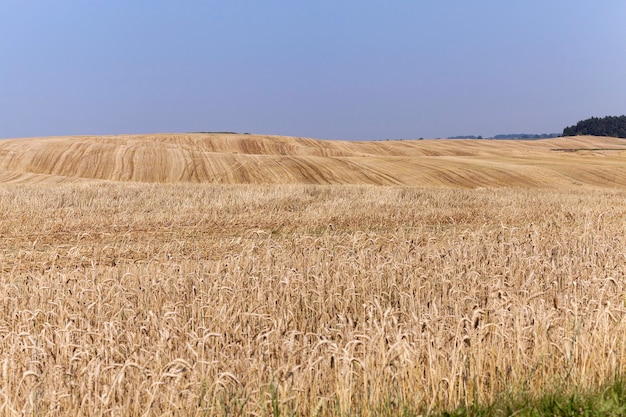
[{"x": 257, "y": 159}]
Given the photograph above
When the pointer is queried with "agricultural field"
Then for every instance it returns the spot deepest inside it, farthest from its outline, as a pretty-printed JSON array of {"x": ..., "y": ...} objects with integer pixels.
[{"x": 244, "y": 275}]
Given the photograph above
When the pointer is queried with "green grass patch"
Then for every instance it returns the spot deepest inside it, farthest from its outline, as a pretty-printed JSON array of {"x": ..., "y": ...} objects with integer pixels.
[{"x": 609, "y": 400}]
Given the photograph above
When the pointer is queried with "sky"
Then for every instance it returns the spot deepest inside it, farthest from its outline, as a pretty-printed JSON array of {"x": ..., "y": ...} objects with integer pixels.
[{"x": 327, "y": 69}]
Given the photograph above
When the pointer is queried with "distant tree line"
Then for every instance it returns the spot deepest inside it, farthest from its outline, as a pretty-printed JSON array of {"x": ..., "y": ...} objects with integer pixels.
[
  {"x": 465, "y": 137},
  {"x": 527, "y": 136},
  {"x": 511, "y": 136},
  {"x": 614, "y": 126}
]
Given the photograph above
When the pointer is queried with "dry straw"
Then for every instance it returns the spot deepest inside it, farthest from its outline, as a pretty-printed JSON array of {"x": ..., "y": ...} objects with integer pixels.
[{"x": 128, "y": 299}]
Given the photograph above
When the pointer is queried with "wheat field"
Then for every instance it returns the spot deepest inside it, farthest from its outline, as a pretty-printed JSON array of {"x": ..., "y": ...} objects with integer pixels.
[
  {"x": 255, "y": 159},
  {"x": 205, "y": 297}
]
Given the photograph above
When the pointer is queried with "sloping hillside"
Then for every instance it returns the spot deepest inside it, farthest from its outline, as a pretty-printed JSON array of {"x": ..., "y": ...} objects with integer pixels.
[{"x": 233, "y": 159}]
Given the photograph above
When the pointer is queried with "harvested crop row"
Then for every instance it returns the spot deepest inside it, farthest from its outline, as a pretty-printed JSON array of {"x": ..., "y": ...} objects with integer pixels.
[{"x": 255, "y": 159}]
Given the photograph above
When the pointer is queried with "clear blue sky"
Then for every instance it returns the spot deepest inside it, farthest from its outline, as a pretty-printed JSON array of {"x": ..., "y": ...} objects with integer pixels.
[{"x": 329, "y": 69}]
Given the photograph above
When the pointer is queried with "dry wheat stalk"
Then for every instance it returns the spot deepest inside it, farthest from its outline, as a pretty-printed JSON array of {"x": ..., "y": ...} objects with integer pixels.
[{"x": 127, "y": 299}]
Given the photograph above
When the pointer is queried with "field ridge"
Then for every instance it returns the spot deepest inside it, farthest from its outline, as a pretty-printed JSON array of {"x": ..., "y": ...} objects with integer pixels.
[{"x": 261, "y": 159}]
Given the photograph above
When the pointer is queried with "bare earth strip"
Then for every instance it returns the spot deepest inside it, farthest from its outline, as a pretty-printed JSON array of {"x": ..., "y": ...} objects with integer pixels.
[{"x": 235, "y": 159}]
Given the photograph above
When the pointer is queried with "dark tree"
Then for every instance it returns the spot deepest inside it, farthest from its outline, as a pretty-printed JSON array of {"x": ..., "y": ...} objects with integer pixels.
[{"x": 606, "y": 126}]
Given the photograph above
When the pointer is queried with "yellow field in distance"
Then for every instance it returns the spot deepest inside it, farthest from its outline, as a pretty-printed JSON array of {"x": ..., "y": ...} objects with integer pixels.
[{"x": 255, "y": 159}]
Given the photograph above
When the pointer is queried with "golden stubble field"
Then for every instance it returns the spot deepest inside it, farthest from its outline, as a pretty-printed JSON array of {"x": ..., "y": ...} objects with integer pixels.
[
  {"x": 180, "y": 298},
  {"x": 255, "y": 159}
]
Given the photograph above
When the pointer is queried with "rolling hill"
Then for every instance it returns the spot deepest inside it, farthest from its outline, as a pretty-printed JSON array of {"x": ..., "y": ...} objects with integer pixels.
[{"x": 256, "y": 159}]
